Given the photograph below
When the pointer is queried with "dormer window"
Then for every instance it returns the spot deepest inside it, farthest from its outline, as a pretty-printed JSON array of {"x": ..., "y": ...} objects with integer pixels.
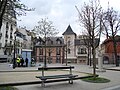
[
  {"x": 50, "y": 41},
  {"x": 41, "y": 42},
  {"x": 58, "y": 42}
]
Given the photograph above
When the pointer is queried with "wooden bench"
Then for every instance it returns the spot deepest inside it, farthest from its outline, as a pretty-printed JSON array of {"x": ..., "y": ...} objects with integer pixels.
[{"x": 69, "y": 76}]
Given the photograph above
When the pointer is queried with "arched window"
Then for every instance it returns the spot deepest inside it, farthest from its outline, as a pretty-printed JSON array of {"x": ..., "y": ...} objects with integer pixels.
[
  {"x": 81, "y": 50},
  {"x": 105, "y": 59},
  {"x": 50, "y": 42}
]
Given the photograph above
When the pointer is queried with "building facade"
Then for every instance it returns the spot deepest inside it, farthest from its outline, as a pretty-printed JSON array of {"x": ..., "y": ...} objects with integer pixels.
[
  {"x": 69, "y": 40},
  {"x": 54, "y": 50},
  {"x": 77, "y": 49},
  {"x": 7, "y": 30},
  {"x": 23, "y": 44},
  {"x": 108, "y": 50},
  {"x": 69, "y": 49},
  {"x": 81, "y": 50}
]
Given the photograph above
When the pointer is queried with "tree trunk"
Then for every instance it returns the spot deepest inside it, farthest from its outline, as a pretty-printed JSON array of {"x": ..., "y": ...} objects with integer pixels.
[
  {"x": 45, "y": 61},
  {"x": 94, "y": 62},
  {"x": 88, "y": 62}
]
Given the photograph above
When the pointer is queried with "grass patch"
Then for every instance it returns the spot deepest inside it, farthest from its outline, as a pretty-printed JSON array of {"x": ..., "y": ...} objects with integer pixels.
[
  {"x": 96, "y": 80},
  {"x": 7, "y": 88}
]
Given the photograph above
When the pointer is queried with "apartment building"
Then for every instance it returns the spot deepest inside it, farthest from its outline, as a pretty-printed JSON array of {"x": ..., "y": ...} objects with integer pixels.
[
  {"x": 54, "y": 50},
  {"x": 7, "y": 30}
]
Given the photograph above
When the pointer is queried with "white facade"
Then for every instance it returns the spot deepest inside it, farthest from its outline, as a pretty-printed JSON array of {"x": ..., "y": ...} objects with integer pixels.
[
  {"x": 69, "y": 41},
  {"x": 77, "y": 50},
  {"x": 7, "y": 39},
  {"x": 69, "y": 38},
  {"x": 7, "y": 36},
  {"x": 24, "y": 41}
]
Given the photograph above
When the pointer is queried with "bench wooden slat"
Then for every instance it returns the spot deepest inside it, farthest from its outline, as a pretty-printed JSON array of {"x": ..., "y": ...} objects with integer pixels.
[
  {"x": 56, "y": 76},
  {"x": 53, "y": 75},
  {"x": 65, "y": 67}
]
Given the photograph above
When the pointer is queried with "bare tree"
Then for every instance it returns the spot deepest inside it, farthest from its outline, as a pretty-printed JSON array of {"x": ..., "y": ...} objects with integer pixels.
[
  {"x": 50, "y": 51},
  {"x": 90, "y": 17},
  {"x": 112, "y": 26},
  {"x": 3, "y": 4},
  {"x": 14, "y": 7},
  {"x": 87, "y": 44},
  {"x": 45, "y": 29}
]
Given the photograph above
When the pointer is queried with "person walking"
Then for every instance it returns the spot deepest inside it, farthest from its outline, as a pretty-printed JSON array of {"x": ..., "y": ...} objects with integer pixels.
[
  {"x": 22, "y": 62},
  {"x": 26, "y": 60}
]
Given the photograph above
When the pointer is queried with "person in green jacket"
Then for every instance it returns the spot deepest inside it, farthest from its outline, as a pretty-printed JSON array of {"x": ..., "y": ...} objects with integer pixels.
[{"x": 18, "y": 61}]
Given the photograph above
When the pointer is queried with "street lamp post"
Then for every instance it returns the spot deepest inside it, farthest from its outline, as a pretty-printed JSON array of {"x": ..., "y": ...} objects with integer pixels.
[
  {"x": 45, "y": 62},
  {"x": 14, "y": 60}
]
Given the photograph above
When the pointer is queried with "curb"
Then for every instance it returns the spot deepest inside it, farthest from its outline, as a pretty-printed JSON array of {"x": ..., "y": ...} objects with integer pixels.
[
  {"x": 113, "y": 69},
  {"x": 21, "y": 71}
]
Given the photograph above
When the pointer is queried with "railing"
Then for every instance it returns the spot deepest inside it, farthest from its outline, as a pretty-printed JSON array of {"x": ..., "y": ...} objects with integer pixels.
[{"x": 81, "y": 54}]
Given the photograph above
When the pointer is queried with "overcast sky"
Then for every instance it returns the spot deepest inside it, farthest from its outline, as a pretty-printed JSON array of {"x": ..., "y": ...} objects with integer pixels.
[{"x": 60, "y": 12}]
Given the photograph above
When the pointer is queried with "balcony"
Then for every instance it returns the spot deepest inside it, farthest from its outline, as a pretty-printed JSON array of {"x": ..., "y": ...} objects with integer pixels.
[
  {"x": 81, "y": 54},
  {"x": 8, "y": 45}
]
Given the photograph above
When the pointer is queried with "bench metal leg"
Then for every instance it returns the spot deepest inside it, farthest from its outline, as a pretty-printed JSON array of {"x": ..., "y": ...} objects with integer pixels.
[
  {"x": 71, "y": 81},
  {"x": 43, "y": 83}
]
